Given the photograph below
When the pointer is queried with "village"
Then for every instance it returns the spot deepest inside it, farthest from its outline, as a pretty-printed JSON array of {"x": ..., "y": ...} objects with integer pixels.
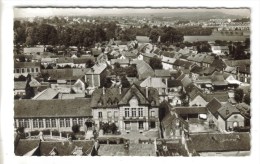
[{"x": 144, "y": 95}]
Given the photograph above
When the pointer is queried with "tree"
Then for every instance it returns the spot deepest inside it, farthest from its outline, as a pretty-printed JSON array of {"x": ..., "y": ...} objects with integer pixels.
[
  {"x": 154, "y": 35},
  {"x": 105, "y": 127},
  {"x": 125, "y": 83},
  {"x": 117, "y": 65},
  {"x": 247, "y": 99},
  {"x": 239, "y": 94},
  {"x": 75, "y": 128},
  {"x": 155, "y": 63},
  {"x": 131, "y": 71},
  {"x": 29, "y": 91},
  {"x": 113, "y": 128},
  {"x": 171, "y": 35},
  {"x": 90, "y": 63}
]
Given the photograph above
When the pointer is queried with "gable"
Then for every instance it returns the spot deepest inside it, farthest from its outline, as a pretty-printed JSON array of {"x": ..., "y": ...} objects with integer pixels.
[{"x": 133, "y": 92}]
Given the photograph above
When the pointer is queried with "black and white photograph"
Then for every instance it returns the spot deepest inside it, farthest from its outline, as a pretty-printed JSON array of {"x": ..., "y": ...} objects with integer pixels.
[{"x": 131, "y": 82}]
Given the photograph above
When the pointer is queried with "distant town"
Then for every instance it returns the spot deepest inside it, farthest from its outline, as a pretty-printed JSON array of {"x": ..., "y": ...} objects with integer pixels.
[{"x": 172, "y": 84}]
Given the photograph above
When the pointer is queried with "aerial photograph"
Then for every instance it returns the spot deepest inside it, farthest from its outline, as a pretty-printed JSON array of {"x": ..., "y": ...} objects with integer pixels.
[{"x": 131, "y": 82}]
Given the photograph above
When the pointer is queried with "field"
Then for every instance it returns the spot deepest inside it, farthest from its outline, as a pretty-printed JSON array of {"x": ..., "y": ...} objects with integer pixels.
[{"x": 213, "y": 38}]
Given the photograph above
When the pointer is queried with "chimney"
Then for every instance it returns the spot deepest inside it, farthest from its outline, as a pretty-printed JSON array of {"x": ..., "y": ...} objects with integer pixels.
[
  {"x": 227, "y": 112},
  {"x": 103, "y": 90},
  {"x": 146, "y": 92},
  {"x": 120, "y": 89}
]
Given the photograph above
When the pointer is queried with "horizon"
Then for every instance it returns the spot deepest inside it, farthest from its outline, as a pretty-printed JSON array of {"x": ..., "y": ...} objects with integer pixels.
[{"x": 48, "y": 12}]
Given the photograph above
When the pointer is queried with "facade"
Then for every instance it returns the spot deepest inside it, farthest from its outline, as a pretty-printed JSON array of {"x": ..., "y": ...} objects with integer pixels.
[
  {"x": 95, "y": 75},
  {"x": 25, "y": 68},
  {"x": 131, "y": 109},
  {"x": 56, "y": 114}
]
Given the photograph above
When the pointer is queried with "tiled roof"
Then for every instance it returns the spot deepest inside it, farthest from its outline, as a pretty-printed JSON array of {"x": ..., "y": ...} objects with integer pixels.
[
  {"x": 208, "y": 59},
  {"x": 162, "y": 73},
  {"x": 144, "y": 70},
  {"x": 33, "y": 49},
  {"x": 174, "y": 83},
  {"x": 19, "y": 85},
  {"x": 221, "y": 96},
  {"x": 169, "y": 60},
  {"x": 47, "y": 94},
  {"x": 196, "y": 69},
  {"x": 234, "y": 63},
  {"x": 52, "y": 108},
  {"x": 97, "y": 69},
  {"x": 120, "y": 61},
  {"x": 220, "y": 142},
  {"x": 65, "y": 60},
  {"x": 115, "y": 98},
  {"x": 153, "y": 82},
  {"x": 227, "y": 110},
  {"x": 143, "y": 39},
  {"x": 65, "y": 74},
  {"x": 26, "y": 64},
  {"x": 82, "y": 60},
  {"x": 213, "y": 106},
  {"x": 65, "y": 148},
  {"x": 190, "y": 110},
  {"x": 96, "y": 51},
  {"x": 25, "y": 146}
]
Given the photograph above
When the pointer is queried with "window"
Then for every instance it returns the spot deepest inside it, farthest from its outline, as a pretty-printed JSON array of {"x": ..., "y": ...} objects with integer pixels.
[
  {"x": 36, "y": 70},
  {"x": 26, "y": 123},
  {"x": 48, "y": 123},
  {"x": 21, "y": 123},
  {"x": 28, "y": 70},
  {"x": 153, "y": 125},
  {"x": 74, "y": 121},
  {"x": 109, "y": 114},
  {"x": 35, "y": 123},
  {"x": 62, "y": 123},
  {"x": 141, "y": 125},
  {"x": 22, "y": 70},
  {"x": 32, "y": 69},
  {"x": 99, "y": 114},
  {"x": 53, "y": 123},
  {"x": 67, "y": 122},
  {"x": 116, "y": 114},
  {"x": 152, "y": 113},
  {"x": 140, "y": 112},
  {"x": 127, "y": 126},
  {"x": 41, "y": 123},
  {"x": 80, "y": 121},
  {"x": 17, "y": 70},
  {"x": 126, "y": 112},
  {"x": 133, "y": 112}
]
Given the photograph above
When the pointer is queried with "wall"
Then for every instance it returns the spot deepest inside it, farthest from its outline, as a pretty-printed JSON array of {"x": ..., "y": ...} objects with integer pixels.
[
  {"x": 236, "y": 118},
  {"x": 199, "y": 101}
]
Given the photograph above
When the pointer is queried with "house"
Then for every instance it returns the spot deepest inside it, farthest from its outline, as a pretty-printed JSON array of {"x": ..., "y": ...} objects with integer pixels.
[
  {"x": 218, "y": 144},
  {"x": 33, "y": 50},
  {"x": 82, "y": 61},
  {"x": 208, "y": 60},
  {"x": 53, "y": 114},
  {"x": 25, "y": 68},
  {"x": 173, "y": 126},
  {"x": 218, "y": 81},
  {"x": 121, "y": 62},
  {"x": 189, "y": 113},
  {"x": 142, "y": 39},
  {"x": 65, "y": 61},
  {"x": 79, "y": 86},
  {"x": 167, "y": 62},
  {"x": 48, "y": 61},
  {"x": 19, "y": 88},
  {"x": 47, "y": 94},
  {"x": 95, "y": 75},
  {"x": 35, "y": 147},
  {"x": 162, "y": 73},
  {"x": 225, "y": 116},
  {"x": 159, "y": 84},
  {"x": 144, "y": 70},
  {"x": 220, "y": 50},
  {"x": 131, "y": 109},
  {"x": 128, "y": 55},
  {"x": 146, "y": 56}
]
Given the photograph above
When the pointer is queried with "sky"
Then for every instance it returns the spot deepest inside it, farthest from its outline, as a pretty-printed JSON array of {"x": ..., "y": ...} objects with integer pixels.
[{"x": 45, "y": 12}]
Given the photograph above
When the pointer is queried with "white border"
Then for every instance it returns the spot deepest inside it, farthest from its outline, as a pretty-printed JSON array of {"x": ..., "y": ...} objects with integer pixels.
[{"x": 6, "y": 142}]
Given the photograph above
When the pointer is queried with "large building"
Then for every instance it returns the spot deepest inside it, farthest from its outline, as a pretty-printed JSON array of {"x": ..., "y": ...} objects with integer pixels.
[{"x": 131, "y": 109}]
